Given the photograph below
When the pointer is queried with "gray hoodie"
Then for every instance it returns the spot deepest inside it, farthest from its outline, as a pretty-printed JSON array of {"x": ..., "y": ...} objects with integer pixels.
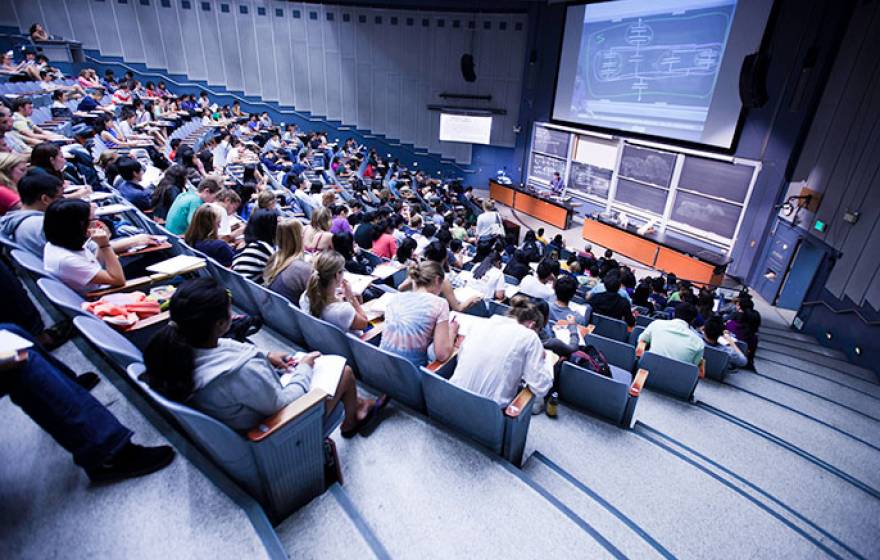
[
  {"x": 236, "y": 384},
  {"x": 25, "y": 227}
]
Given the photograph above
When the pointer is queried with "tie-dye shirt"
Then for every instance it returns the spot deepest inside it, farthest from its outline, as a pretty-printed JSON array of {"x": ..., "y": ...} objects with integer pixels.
[{"x": 410, "y": 318}]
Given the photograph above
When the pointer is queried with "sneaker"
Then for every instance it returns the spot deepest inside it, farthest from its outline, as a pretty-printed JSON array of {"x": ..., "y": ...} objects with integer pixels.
[
  {"x": 538, "y": 407},
  {"x": 133, "y": 461},
  {"x": 88, "y": 380}
]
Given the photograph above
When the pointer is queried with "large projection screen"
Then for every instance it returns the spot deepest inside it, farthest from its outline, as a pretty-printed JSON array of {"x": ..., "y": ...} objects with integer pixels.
[
  {"x": 465, "y": 128},
  {"x": 658, "y": 68}
]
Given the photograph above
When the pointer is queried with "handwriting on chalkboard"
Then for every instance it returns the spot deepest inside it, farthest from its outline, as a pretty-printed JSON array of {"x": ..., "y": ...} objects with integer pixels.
[
  {"x": 543, "y": 167},
  {"x": 552, "y": 142},
  {"x": 648, "y": 166},
  {"x": 589, "y": 180}
]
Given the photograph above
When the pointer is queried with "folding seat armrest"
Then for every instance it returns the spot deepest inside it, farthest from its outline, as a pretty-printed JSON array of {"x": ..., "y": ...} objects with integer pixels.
[
  {"x": 518, "y": 404},
  {"x": 638, "y": 382},
  {"x": 640, "y": 349},
  {"x": 291, "y": 412}
]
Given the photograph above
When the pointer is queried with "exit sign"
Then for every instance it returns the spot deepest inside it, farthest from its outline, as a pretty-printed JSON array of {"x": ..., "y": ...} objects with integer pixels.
[{"x": 820, "y": 226}]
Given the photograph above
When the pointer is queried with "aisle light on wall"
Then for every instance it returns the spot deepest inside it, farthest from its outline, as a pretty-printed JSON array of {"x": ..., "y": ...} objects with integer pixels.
[{"x": 858, "y": 350}]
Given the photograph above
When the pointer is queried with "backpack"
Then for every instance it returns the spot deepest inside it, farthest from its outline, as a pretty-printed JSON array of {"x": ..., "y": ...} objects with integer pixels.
[{"x": 592, "y": 359}]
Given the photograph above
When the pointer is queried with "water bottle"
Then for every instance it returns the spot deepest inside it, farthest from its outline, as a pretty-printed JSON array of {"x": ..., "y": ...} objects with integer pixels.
[{"x": 552, "y": 404}]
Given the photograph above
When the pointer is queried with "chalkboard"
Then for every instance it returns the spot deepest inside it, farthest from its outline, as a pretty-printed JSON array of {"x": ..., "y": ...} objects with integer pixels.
[
  {"x": 705, "y": 214},
  {"x": 588, "y": 179},
  {"x": 652, "y": 199},
  {"x": 543, "y": 167},
  {"x": 716, "y": 178},
  {"x": 649, "y": 166},
  {"x": 549, "y": 141}
]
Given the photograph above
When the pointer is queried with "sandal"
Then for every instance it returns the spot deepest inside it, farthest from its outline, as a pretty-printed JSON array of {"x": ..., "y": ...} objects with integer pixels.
[{"x": 369, "y": 420}]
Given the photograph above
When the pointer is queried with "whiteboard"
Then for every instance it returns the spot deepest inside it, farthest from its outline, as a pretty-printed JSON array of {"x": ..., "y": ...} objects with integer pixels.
[
  {"x": 465, "y": 128},
  {"x": 596, "y": 152}
]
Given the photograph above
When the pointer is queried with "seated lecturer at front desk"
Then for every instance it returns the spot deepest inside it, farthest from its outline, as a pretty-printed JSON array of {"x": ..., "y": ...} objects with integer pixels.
[{"x": 556, "y": 184}]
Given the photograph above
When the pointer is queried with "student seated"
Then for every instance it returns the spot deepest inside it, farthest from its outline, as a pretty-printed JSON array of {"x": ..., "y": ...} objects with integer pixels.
[
  {"x": 744, "y": 324},
  {"x": 438, "y": 253},
  {"x": 540, "y": 285},
  {"x": 715, "y": 336},
  {"x": 317, "y": 236},
  {"x": 355, "y": 262},
  {"x": 384, "y": 244},
  {"x": 565, "y": 288},
  {"x": 287, "y": 273},
  {"x": 259, "y": 237},
  {"x": 503, "y": 352},
  {"x": 202, "y": 235},
  {"x": 674, "y": 338},
  {"x": 68, "y": 226},
  {"x": 188, "y": 362},
  {"x": 531, "y": 249},
  {"x": 518, "y": 266},
  {"x": 12, "y": 168},
  {"x": 488, "y": 278},
  {"x": 169, "y": 188},
  {"x": 319, "y": 299},
  {"x": 51, "y": 394},
  {"x": 185, "y": 205},
  {"x": 610, "y": 303},
  {"x": 132, "y": 173},
  {"x": 417, "y": 325}
]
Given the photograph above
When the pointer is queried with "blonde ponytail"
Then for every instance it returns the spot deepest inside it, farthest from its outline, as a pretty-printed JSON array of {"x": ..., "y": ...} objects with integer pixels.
[{"x": 327, "y": 266}]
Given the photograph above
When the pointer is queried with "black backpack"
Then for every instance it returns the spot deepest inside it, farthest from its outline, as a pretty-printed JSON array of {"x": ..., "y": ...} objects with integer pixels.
[{"x": 591, "y": 358}]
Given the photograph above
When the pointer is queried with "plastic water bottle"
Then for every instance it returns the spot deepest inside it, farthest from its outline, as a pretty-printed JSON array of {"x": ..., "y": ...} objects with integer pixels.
[{"x": 552, "y": 405}]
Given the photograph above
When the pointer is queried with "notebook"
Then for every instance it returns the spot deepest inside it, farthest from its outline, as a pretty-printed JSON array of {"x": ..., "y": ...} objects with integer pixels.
[
  {"x": 112, "y": 209},
  {"x": 176, "y": 265},
  {"x": 385, "y": 270},
  {"x": 11, "y": 344},
  {"x": 358, "y": 282},
  {"x": 466, "y": 322},
  {"x": 376, "y": 308},
  {"x": 325, "y": 374}
]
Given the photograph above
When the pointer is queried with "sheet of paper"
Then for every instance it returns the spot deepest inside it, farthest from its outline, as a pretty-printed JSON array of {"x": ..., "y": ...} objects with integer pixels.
[
  {"x": 175, "y": 265},
  {"x": 359, "y": 282},
  {"x": 112, "y": 209},
  {"x": 376, "y": 308},
  {"x": 11, "y": 343},
  {"x": 510, "y": 291},
  {"x": 385, "y": 270},
  {"x": 579, "y": 307},
  {"x": 326, "y": 373},
  {"x": 465, "y": 293},
  {"x": 466, "y": 322},
  {"x": 95, "y": 197}
]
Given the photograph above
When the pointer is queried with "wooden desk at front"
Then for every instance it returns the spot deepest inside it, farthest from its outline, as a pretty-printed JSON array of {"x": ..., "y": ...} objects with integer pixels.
[
  {"x": 553, "y": 214},
  {"x": 655, "y": 253}
]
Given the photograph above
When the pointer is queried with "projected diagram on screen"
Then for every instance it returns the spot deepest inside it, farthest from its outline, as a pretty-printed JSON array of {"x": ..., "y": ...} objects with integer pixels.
[{"x": 651, "y": 71}]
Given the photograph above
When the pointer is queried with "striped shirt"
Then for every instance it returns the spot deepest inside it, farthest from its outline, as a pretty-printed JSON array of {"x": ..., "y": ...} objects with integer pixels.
[{"x": 251, "y": 261}]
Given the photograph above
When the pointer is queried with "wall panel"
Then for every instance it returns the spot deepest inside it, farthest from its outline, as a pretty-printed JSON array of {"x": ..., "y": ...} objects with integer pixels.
[
  {"x": 151, "y": 36},
  {"x": 129, "y": 31},
  {"x": 82, "y": 26},
  {"x": 172, "y": 40}
]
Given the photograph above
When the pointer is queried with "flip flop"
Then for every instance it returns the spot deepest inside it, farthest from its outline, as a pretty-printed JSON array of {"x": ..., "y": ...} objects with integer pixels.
[{"x": 369, "y": 419}]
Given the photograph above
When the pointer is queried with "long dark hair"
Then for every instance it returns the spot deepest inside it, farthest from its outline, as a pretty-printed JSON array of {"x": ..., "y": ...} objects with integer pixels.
[
  {"x": 41, "y": 156},
  {"x": 175, "y": 176},
  {"x": 196, "y": 307},
  {"x": 66, "y": 223},
  {"x": 488, "y": 262},
  {"x": 261, "y": 226}
]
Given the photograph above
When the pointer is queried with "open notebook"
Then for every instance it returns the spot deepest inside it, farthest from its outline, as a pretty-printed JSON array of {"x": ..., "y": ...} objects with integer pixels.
[
  {"x": 176, "y": 265},
  {"x": 325, "y": 375},
  {"x": 358, "y": 282}
]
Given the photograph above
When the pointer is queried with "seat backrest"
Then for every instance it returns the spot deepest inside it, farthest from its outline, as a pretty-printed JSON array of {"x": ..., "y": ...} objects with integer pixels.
[
  {"x": 617, "y": 353},
  {"x": 237, "y": 284},
  {"x": 322, "y": 336},
  {"x": 63, "y": 297},
  {"x": 389, "y": 373},
  {"x": 279, "y": 314},
  {"x": 643, "y": 320},
  {"x": 635, "y": 334},
  {"x": 464, "y": 411},
  {"x": 227, "y": 448},
  {"x": 8, "y": 242},
  {"x": 615, "y": 329},
  {"x": 30, "y": 262},
  {"x": 669, "y": 376},
  {"x": 594, "y": 393},
  {"x": 717, "y": 361},
  {"x": 117, "y": 347}
]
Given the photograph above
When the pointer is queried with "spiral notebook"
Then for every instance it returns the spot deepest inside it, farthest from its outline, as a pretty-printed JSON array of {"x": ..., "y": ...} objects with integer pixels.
[{"x": 325, "y": 374}]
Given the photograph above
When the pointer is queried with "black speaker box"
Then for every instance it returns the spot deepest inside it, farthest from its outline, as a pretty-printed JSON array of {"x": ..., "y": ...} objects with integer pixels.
[{"x": 467, "y": 68}]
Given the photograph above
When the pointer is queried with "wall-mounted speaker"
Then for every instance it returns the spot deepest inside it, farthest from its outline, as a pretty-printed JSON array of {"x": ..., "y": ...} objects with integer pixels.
[
  {"x": 468, "y": 72},
  {"x": 753, "y": 80}
]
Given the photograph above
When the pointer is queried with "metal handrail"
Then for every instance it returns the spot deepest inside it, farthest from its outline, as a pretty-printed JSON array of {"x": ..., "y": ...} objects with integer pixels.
[{"x": 852, "y": 310}]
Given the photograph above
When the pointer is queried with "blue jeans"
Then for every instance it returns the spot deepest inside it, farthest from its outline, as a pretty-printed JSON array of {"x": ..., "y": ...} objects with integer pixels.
[{"x": 45, "y": 390}]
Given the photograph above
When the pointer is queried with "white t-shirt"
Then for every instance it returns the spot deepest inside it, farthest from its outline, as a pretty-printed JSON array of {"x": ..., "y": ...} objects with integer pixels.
[
  {"x": 74, "y": 268},
  {"x": 496, "y": 355},
  {"x": 489, "y": 223},
  {"x": 531, "y": 286},
  {"x": 491, "y": 282}
]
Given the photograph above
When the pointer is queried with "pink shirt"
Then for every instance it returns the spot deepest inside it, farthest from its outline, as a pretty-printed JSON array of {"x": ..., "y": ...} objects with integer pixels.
[
  {"x": 385, "y": 246},
  {"x": 8, "y": 199}
]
